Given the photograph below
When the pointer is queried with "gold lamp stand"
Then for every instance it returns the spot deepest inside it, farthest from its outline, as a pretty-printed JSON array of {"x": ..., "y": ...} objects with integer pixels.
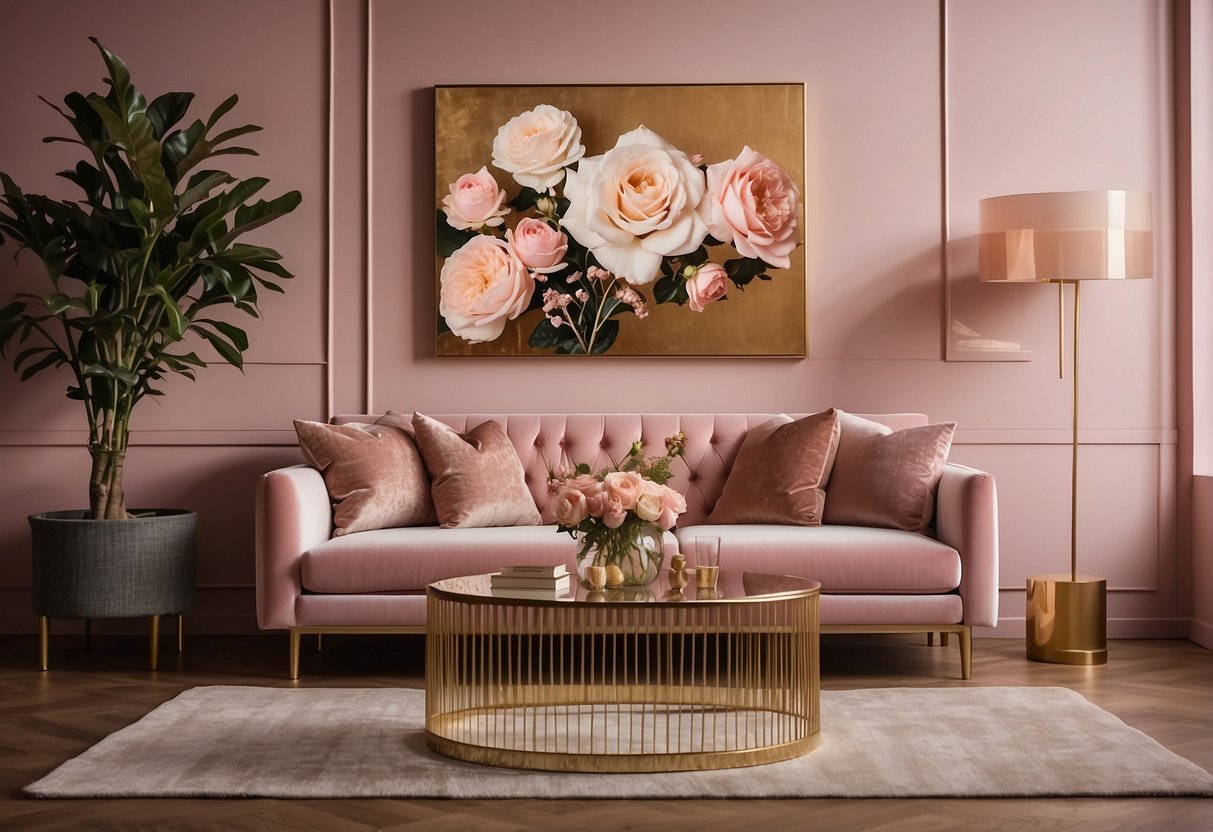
[
  {"x": 1067, "y": 617},
  {"x": 1061, "y": 238}
]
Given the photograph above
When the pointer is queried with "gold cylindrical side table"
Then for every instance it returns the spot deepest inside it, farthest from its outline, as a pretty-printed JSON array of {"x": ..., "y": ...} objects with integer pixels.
[
  {"x": 1067, "y": 619},
  {"x": 652, "y": 679}
]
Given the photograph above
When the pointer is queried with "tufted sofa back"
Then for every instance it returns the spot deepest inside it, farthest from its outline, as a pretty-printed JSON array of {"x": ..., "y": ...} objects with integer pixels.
[{"x": 549, "y": 441}]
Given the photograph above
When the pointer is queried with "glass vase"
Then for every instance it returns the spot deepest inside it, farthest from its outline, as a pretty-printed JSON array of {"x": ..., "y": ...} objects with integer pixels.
[{"x": 630, "y": 555}]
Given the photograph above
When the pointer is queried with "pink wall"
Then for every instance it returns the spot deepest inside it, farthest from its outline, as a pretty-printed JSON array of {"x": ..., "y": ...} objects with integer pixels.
[{"x": 905, "y": 134}]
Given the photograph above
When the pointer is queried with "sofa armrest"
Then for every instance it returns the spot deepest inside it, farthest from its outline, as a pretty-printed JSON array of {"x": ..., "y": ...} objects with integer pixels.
[
  {"x": 293, "y": 515},
  {"x": 966, "y": 518}
]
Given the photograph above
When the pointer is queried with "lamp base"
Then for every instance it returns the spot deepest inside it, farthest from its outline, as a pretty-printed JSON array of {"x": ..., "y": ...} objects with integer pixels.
[{"x": 1067, "y": 619}]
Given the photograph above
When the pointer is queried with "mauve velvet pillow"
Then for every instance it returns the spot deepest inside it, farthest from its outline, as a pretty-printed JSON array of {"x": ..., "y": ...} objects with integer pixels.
[
  {"x": 373, "y": 473},
  {"x": 886, "y": 478},
  {"x": 476, "y": 479},
  {"x": 780, "y": 471}
]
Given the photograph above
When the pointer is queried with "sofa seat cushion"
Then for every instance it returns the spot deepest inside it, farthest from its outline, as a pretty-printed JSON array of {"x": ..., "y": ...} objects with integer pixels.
[
  {"x": 841, "y": 558},
  {"x": 408, "y": 560}
]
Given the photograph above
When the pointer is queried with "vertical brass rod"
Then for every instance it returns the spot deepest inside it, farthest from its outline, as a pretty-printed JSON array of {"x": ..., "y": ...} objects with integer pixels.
[
  {"x": 1074, "y": 451},
  {"x": 181, "y": 632},
  {"x": 1061, "y": 329}
]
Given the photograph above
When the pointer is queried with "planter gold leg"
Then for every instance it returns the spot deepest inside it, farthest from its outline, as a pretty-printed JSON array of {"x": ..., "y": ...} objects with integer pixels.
[
  {"x": 155, "y": 646},
  {"x": 966, "y": 653},
  {"x": 180, "y": 633},
  {"x": 44, "y": 638},
  {"x": 294, "y": 653}
]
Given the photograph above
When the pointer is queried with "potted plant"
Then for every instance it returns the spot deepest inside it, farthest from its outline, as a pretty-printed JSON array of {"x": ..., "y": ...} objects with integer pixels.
[{"x": 136, "y": 268}]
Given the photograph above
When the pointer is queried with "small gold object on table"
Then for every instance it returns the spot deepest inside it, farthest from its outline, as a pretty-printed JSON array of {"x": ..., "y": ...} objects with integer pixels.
[{"x": 630, "y": 682}]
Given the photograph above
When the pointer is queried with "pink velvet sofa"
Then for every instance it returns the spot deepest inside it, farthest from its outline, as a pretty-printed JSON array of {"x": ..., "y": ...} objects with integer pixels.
[{"x": 874, "y": 580}]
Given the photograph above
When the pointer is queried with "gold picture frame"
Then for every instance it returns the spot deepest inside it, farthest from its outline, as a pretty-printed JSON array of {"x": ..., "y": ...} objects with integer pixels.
[{"x": 709, "y": 124}]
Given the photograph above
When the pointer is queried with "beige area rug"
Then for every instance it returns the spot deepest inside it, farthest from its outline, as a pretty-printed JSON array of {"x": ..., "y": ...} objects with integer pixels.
[{"x": 893, "y": 742}]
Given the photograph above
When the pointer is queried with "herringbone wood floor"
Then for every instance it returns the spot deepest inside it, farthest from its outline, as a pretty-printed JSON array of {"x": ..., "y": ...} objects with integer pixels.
[{"x": 1164, "y": 688}]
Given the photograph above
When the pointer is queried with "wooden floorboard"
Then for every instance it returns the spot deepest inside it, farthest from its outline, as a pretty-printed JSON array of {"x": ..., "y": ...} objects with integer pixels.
[{"x": 1162, "y": 687}]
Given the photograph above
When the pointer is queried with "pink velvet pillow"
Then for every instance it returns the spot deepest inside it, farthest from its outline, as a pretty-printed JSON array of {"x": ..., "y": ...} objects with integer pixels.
[
  {"x": 476, "y": 480},
  {"x": 373, "y": 473},
  {"x": 780, "y": 471},
  {"x": 886, "y": 478}
]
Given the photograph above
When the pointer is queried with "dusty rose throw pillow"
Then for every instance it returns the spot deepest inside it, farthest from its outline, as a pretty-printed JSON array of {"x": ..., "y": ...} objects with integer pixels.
[
  {"x": 373, "y": 473},
  {"x": 476, "y": 479},
  {"x": 886, "y": 478},
  {"x": 780, "y": 472}
]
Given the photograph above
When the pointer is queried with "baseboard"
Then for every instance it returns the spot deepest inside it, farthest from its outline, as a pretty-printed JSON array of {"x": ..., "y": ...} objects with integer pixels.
[{"x": 1201, "y": 632}]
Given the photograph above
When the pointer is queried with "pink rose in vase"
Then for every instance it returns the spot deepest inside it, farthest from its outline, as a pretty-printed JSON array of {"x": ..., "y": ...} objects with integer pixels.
[
  {"x": 753, "y": 205},
  {"x": 475, "y": 201},
  {"x": 571, "y": 507}
]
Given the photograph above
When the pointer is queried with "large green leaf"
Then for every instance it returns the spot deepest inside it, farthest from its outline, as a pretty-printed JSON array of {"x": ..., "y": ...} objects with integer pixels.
[
  {"x": 134, "y": 134},
  {"x": 168, "y": 109}
]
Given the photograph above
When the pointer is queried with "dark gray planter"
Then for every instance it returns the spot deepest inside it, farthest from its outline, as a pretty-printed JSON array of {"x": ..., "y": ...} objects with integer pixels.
[{"x": 85, "y": 568}]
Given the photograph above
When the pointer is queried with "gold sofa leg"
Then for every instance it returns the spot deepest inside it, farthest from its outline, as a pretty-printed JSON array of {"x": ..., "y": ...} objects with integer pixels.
[
  {"x": 966, "y": 653},
  {"x": 294, "y": 653}
]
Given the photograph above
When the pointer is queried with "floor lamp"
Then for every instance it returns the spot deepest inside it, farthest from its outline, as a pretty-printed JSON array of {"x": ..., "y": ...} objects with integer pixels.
[{"x": 1066, "y": 238}]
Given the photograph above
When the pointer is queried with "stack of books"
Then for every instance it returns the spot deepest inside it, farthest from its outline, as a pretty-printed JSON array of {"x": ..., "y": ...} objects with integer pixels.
[{"x": 527, "y": 581}]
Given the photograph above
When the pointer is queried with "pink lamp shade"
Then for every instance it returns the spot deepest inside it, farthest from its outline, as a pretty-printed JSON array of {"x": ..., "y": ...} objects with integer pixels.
[{"x": 1075, "y": 235}]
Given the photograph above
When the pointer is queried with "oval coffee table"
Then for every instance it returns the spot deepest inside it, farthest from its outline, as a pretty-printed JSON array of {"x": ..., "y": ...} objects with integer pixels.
[{"x": 637, "y": 680}]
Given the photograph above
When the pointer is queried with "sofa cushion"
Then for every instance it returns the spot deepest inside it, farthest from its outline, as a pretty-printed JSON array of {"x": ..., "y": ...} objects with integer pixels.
[
  {"x": 780, "y": 471},
  {"x": 842, "y": 558},
  {"x": 886, "y": 478},
  {"x": 407, "y": 560},
  {"x": 373, "y": 473},
  {"x": 476, "y": 479}
]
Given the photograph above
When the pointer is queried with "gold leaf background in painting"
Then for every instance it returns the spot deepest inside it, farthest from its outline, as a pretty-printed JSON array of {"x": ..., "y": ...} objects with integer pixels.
[{"x": 717, "y": 121}]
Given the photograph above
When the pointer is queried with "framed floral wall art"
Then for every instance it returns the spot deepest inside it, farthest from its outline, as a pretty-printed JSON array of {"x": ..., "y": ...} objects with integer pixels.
[{"x": 620, "y": 220}]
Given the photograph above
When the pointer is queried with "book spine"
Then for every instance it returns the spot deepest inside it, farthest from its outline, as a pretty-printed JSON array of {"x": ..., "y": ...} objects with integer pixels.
[{"x": 547, "y": 571}]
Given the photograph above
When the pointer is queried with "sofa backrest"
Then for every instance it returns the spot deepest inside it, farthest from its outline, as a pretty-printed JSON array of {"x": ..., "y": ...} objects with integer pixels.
[{"x": 549, "y": 441}]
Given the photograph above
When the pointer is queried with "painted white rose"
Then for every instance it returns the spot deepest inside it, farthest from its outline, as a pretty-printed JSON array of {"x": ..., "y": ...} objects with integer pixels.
[
  {"x": 635, "y": 204},
  {"x": 482, "y": 286},
  {"x": 536, "y": 146}
]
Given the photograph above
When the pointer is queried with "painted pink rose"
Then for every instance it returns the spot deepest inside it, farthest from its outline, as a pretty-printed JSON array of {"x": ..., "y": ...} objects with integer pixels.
[
  {"x": 636, "y": 204},
  {"x": 536, "y": 146},
  {"x": 540, "y": 247},
  {"x": 475, "y": 201},
  {"x": 624, "y": 486},
  {"x": 709, "y": 284},
  {"x": 483, "y": 286},
  {"x": 753, "y": 205},
  {"x": 571, "y": 506}
]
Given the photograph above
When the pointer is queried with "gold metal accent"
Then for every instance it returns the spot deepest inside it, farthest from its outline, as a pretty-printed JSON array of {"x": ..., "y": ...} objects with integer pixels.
[
  {"x": 715, "y": 120},
  {"x": 963, "y": 630},
  {"x": 623, "y": 685},
  {"x": 1067, "y": 619},
  {"x": 319, "y": 642},
  {"x": 154, "y": 660},
  {"x": 180, "y": 632},
  {"x": 44, "y": 639}
]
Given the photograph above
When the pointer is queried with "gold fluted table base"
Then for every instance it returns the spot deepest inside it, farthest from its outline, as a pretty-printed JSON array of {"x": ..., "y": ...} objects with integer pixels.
[
  {"x": 643, "y": 683},
  {"x": 1067, "y": 620}
]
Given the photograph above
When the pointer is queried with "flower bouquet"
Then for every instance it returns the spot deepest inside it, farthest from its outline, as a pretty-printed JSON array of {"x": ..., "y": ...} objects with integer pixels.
[
  {"x": 584, "y": 235},
  {"x": 620, "y": 514}
]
